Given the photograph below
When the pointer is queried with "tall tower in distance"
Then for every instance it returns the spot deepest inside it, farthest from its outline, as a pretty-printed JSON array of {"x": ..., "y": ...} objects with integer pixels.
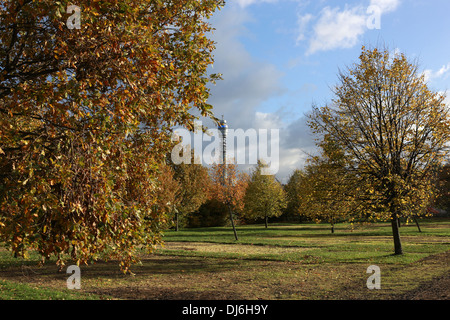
[{"x": 223, "y": 128}]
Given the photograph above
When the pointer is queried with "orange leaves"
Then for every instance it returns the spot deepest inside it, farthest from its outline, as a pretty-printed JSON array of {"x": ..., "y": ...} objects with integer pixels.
[
  {"x": 392, "y": 128},
  {"x": 228, "y": 185},
  {"x": 82, "y": 136}
]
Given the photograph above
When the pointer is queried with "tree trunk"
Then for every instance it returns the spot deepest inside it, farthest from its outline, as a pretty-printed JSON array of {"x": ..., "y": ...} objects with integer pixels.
[
  {"x": 396, "y": 233},
  {"x": 417, "y": 223},
  {"x": 232, "y": 223},
  {"x": 332, "y": 225},
  {"x": 266, "y": 220}
]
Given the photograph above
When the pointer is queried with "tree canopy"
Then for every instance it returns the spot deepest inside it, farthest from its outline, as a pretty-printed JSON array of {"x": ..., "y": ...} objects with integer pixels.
[
  {"x": 264, "y": 195},
  {"x": 228, "y": 186},
  {"x": 86, "y": 117},
  {"x": 393, "y": 129}
]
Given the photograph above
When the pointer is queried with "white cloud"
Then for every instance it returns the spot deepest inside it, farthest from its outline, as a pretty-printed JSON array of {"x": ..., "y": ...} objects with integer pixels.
[
  {"x": 443, "y": 73},
  {"x": 386, "y": 5},
  {"x": 247, "y": 82},
  {"x": 246, "y": 3},
  {"x": 336, "y": 28},
  {"x": 428, "y": 74},
  {"x": 303, "y": 21}
]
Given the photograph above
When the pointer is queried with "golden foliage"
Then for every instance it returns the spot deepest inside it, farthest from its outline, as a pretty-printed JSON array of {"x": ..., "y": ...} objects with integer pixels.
[{"x": 86, "y": 117}]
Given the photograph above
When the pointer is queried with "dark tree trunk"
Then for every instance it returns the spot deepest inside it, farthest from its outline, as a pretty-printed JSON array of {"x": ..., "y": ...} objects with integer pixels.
[
  {"x": 266, "y": 220},
  {"x": 232, "y": 223},
  {"x": 417, "y": 223},
  {"x": 396, "y": 233},
  {"x": 332, "y": 225}
]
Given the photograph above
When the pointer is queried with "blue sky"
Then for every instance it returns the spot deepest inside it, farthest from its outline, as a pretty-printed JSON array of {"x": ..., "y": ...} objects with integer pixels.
[{"x": 278, "y": 57}]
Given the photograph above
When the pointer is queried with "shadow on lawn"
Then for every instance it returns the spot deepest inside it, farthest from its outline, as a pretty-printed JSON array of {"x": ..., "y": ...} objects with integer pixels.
[
  {"x": 18, "y": 268},
  {"x": 160, "y": 265}
]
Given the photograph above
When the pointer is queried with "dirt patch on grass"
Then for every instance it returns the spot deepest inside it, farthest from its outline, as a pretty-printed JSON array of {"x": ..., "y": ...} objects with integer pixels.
[{"x": 436, "y": 289}]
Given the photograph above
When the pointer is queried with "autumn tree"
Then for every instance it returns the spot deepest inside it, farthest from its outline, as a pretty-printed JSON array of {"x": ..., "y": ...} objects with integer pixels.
[
  {"x": 212, "y": 213},
  {"x": 86, "y": 117},
  {"x": 228, "y": 187},
  {"x": 264, "y": 195},
  {"x": 393, "y": 128},
  {"x": 328, "y": 190},
  {"x": 443, "y": 187},
  {"x": 194, "y": 190},
  {"x": 293, "y": 189},
  {"x": 168, "y": 189}
]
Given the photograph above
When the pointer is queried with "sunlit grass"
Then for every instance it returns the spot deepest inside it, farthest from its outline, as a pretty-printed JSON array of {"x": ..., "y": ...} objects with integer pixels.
[
  {"x": 284, "y": 261},
  {"x": 314, "y": 242}
]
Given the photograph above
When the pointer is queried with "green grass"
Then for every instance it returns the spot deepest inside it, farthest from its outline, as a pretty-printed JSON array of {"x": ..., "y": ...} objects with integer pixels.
[
  {"x": 284, "y": 261},
  {"x": 10, "y": 290},
  {"x": 348, "y": 244}
]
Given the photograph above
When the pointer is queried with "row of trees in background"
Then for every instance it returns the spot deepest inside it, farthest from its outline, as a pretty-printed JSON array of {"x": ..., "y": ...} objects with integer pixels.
[
  {"x": 383, "y": 143},
  {"x": 323, "y": 191},
  {"x": 198, "y": 196}
]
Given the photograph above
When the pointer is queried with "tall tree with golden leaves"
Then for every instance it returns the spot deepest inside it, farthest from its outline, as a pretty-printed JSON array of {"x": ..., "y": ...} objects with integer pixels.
[
  {"x": 264, "y": 196},
  {"x": 86, "y": 116},
  {"x": 394, "y": 130}
]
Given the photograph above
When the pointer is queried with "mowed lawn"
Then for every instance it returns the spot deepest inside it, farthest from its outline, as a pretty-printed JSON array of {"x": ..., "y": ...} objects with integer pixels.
[{"x": 284, "y": 261}]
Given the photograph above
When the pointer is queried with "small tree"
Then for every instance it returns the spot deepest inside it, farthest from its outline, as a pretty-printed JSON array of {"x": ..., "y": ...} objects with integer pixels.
[
  {"x": 264, "y": 196},
  {"x": 292, "y": 190},
  {"x": 228, "y": 187},
  {"x": 328, "y": 187},
  {"x": 212, "y": 213},
  {"x": 443, "y": 187},
  {"x": 167, "y": 191},
  {"x": 194, "y": 188}
]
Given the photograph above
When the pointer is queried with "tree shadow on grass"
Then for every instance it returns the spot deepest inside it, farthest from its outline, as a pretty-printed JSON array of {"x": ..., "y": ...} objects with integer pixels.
[
  {"x": 159, "y": 265},
  {"x": 155, "y": 293}
]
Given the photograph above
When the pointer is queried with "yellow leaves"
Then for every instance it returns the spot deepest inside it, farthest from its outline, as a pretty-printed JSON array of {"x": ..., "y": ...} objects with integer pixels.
[{"x": 82, "y": 188}]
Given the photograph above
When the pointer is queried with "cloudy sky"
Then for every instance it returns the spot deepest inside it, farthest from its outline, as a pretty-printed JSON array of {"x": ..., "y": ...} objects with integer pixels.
[{"x": 278, "y": 57}]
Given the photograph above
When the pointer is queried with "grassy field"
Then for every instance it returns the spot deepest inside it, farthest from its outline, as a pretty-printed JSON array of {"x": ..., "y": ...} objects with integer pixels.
[{"x": 284, "y": 261}]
